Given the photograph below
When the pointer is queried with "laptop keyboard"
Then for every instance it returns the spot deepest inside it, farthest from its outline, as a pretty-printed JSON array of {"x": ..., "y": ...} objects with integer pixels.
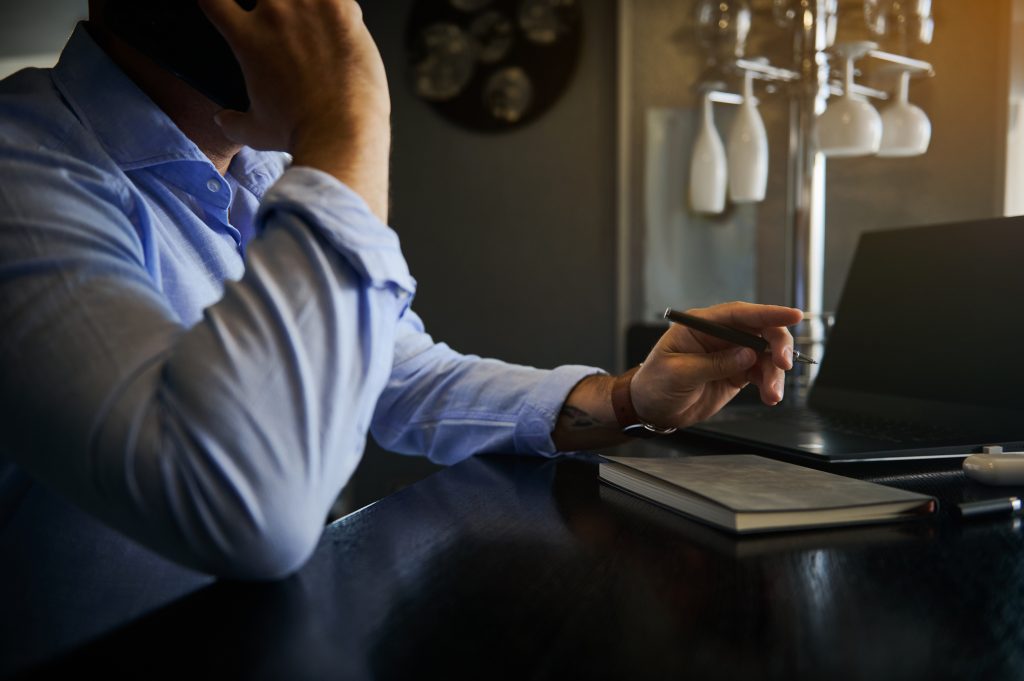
[{"x": 886, "y": 430}]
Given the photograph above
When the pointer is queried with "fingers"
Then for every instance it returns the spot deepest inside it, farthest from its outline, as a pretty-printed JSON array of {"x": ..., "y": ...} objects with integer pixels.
[
  {"x": 751, "y": 316},
  {"x": 235, "y": 125},
  {"x": 225, "y": 15},
  {"x": 730, "y": 364},
  {"x": 781, "y": 342},
  {"x": 772, "y": 383},
  {"x": 706, "y": 372},
  {"x": 770, "y": 321},
  {"x": 769, "y": 376},
  {"x": 710, "y": 405}
]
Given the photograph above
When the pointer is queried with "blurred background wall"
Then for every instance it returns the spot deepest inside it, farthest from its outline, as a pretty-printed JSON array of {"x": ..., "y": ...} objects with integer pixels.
[{"x": 33, "y": 33}]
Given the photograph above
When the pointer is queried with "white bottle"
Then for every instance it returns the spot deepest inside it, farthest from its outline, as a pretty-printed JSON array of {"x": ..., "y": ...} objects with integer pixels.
[
  {"x": 708, "y": 170},
  {"x": 748, "y": 150}
]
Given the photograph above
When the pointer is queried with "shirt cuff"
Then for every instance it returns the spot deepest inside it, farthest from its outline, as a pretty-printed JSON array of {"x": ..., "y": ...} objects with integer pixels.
[
  {"x": 339, "y": 214},
  {"x": 543, "y": 404}
]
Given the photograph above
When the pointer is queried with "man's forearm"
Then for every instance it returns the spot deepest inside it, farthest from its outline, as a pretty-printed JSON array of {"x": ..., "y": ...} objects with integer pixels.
[{"x": 587, "y": 419}]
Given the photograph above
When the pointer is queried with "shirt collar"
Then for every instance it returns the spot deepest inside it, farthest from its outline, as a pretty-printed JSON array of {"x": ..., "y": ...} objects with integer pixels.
[{"x": 130, "y": 126}]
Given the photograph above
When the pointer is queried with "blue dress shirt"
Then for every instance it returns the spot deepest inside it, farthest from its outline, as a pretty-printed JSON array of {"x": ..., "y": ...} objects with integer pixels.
[{"x": 195, "y": 359}]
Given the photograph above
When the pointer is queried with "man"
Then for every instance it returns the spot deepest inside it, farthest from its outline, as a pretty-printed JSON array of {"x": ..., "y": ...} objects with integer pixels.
[{"x": 197, "y": 338}]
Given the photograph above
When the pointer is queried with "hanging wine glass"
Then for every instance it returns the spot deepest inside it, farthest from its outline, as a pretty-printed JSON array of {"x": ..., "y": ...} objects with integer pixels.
[
  {"x": 850, "y": 126},
  {"x": 722, "y": 28},
  {"x": 789, "y": 14},
  {"x": 747, "y": 149},
  {"x": 906, "y": 130},
  {"x": 909, "y": 22},
  {"x": 708, "y": 165}
]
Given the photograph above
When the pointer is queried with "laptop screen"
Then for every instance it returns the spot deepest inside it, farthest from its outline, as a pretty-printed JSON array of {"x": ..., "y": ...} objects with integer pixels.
[{"x": 933, "y": 313}]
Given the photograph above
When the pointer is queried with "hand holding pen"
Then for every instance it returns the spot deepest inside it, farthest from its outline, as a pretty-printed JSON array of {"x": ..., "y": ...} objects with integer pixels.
[
  {"x": 690, "y": 374},
  {"x": 729, "y": 334}
]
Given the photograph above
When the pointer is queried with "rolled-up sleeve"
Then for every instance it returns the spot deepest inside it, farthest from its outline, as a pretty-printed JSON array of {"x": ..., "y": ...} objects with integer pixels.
[
  {"x": 449, "y": 406},
  {"x": 346, "y": 223}
]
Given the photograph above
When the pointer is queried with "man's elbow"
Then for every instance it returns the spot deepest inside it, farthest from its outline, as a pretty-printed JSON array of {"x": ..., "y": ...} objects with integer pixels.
[{"x": 272, "y": 553}]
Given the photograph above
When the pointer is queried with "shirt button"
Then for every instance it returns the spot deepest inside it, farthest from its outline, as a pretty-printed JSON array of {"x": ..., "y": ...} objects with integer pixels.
[{"x": 213, "y": 185}]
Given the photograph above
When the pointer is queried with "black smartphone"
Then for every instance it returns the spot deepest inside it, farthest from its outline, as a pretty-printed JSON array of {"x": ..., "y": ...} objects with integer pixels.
[{"x": 178, "y": 36}]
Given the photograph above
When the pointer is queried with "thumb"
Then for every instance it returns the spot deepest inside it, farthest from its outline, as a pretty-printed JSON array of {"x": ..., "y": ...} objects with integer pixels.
[
  {"x": 716, "y": 366},
  {"x": 236, "y": 126}
]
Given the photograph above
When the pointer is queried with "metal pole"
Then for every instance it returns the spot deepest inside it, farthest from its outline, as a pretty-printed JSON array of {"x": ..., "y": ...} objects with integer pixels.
[{"x": 807, "y": 180}]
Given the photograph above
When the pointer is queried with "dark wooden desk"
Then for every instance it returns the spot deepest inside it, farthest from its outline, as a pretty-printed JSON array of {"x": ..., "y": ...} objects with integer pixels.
[{"x": 515, "y": 567}]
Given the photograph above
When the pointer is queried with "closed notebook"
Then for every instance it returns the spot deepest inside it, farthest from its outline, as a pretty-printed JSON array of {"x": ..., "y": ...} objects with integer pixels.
[{"x": 746, "y": 493}]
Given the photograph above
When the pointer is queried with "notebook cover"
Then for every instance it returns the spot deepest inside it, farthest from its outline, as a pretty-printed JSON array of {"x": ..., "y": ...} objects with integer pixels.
[{"x": 746, "y": 483}]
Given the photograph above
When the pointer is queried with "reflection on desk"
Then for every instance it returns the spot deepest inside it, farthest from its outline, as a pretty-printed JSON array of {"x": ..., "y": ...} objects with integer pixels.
[{"x": 515, "y": 567}]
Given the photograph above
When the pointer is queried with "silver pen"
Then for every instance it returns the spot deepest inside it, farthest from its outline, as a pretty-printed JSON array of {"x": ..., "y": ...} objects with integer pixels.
[{"x": 1005, "y": 506}]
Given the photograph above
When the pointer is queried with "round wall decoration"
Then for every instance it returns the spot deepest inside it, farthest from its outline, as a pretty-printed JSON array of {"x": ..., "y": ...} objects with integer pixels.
[{"x": 493, "y": 65}]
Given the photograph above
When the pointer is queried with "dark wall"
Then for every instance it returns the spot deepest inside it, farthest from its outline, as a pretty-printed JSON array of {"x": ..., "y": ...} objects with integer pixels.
[
  {"x": 29, "y": 27},
  {"x": 511, "y": 237}
]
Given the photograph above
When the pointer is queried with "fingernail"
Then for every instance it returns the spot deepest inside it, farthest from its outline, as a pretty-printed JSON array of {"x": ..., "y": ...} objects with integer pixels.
[{"x": 787, "y": 354}]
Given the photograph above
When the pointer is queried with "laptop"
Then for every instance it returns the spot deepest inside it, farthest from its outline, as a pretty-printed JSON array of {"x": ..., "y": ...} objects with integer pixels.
[{"x": 925, "y": 359}]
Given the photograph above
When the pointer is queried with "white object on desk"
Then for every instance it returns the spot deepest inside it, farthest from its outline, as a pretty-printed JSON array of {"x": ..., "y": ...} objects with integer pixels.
[{"x": 996, "y": 467}]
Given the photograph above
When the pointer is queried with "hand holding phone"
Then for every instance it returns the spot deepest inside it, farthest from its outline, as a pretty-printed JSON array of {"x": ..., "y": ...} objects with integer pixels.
[
  {"x": 317, "y": 88},
  {"x": 302, "y": 77},
  {"x": 178, "y": 36}
]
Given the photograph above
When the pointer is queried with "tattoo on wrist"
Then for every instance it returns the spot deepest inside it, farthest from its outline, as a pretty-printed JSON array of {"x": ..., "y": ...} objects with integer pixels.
[{"x": 576, "y": 418}]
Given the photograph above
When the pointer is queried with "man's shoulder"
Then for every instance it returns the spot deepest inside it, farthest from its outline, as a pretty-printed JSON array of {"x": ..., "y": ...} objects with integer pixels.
[{"x": 35, "y": 118}]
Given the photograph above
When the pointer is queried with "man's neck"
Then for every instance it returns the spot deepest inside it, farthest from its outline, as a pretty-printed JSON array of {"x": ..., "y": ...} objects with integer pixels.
[{"x": 190, "y": 110}]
